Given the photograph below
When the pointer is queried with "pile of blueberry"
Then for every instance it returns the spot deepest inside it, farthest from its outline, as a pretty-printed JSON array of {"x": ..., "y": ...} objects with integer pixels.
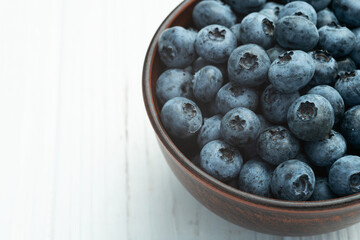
[{"x": 271, "y": 94}]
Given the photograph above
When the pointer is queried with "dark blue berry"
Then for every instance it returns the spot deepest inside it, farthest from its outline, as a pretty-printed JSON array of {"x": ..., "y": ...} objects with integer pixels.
[
  {"x": 255, "y": 177},
  {"x": 248, "y": 6},
  {"x": 350, "y": 126},
  {"x": 311, "y": 117},
  {"x": 347, "y": 11},
  {"x": 215, "y": 43},
  {"x": 293, "y": 180},
  {"x": 207, "y": 82},
  {"x": 346, "y": 65},
  {"x": 326, "y": 68},
  {"x": 181, "y": 117},
  {"x": 174, "y": 83},
  {"x": 236, "y": 30},
  {"x": 220, "y": 160},
  {"x": 355, "y": 54},
  {"x": 275, "y": 104},
  {"x": 248, "y": 65},
  {"x": 240, "y": 126},
  {"x": 209, "y": 131},
  {"x": 348, "y": 85},
  {"x": 325, "y": 17},
  {"x": 291, "y": 71},
  {"x": 344, "y": 176},
  {"x": 231, "y": 96},
  {"x": 326, "y": 151},
  {"x": 299, "y": 8},
  {"x": 333, "y": 97},
  {"x": 275, "y": 52},
  {"x": 296, "y": 32},
  {"x": 338, "y": 41},
  {"x": 322, "y": 190},
  {"x": 213, "y": 12},
  {"x": 271, "y": 14},
  {"x": 176, "y": 47},
  {"x": 199, "y": 63},
  {"x": 276, "y": 144},
  {"x": 257, "y": 28}
]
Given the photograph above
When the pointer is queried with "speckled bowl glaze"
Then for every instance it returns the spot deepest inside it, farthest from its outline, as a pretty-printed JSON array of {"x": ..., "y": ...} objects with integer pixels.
[{"x": 253, "y": 212}]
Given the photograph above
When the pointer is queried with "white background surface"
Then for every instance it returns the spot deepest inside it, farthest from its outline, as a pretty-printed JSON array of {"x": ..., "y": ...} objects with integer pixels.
[{"x": 79, "y": 159}]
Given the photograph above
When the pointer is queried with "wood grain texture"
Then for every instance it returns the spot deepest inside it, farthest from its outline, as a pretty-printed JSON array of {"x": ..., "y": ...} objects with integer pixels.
[{"x": 79, "y": 159}]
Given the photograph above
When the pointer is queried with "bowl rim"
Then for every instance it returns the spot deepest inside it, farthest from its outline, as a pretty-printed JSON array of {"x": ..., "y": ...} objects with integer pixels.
[{"x": 180, "y": 158}]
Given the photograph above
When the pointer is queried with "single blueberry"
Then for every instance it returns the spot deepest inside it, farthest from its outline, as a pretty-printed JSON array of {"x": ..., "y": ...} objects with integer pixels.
[
  {"x": 299, "y": 8},
  {"x": 248, "y": 65},
  {"x": 322, "y": 190},
  {"x": 311, "y": 117},
  {"x": 221, "y": 160},
  {"x": 293, "y": 180},
  {"x": 350, "y": 126},
  {"x": 207, "y": 82},
  {"x": 346, "y": 65},
  {"x": 344, "y": 176},
  {"x": 275, "y": 104},
  {"x": 176, "y": 47},
  {"x": 209, "y": 131},
  {"x": 326, "y": 68},
  {"x": 255, "y": 177},
  {"x": 348, "y": 85},
  {"x": 338, "y": 41},
  {"x": 326, "y": 17},
  {"x": 174, "y": 83},
  {"x": 213, "y": 12},
  {"x": 236, "y": 30},
  {"x": 347, "y": 11},
  {"x": 277, "y": 144},
  {"x": 296, "y": 32},
  {"x": 326, "y": 151},
  {"x": 275, "y": 52},
  {"x": 333, "y": 97},
  {"x": 231, "y": 96},
  {"x": 181, "y": 117},
  {"x": 257, "y": 28},
  {"x": 215, "y": 43},
  {"x": 240, "y": 126},
  {"x": 245, "y": 7},
  {"x": 199, "y": 63},
  {"x": 291, "y": 71}
]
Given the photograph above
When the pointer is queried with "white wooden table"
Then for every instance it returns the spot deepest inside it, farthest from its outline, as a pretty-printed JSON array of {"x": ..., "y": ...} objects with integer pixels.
[{"x": 79, "y": 159}]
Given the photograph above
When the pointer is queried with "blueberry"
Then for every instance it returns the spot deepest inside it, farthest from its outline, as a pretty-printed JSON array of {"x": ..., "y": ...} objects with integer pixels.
[
  {"x": 181, "y": 117},
  {"x": 326, "y": 68},
  {"x": 213, "y": 12},
  {"x": 325, "y": 17},
  {"x": 220, "y": 160},
  {"x": 355, "y": 54},
  {"x": 231, "y": 96},
  {"x": 296, "y": 32},
  {"x": 275, "y": 104},
  {"x": 347, "y": 11},
  {"x": 255, "y": 177},
  {"x": 326, "y": 151},
  {"x": 276, "y": 144},
  {"x": 236, "y": 30},
  {"x": 350, "y": 126},
  {"x": 299, "y": 8},
  {"x": 319, "y": 4},
  {"x": 199, "y": 63},
  {"x": 344, "y": 176},
  {"x": 291, "y": 71},
  {"x": 275, "y": 52},
  {"x": 248, "y": 65},
  {"x": 322, "y": 190},
  {"x": 174, "y": 83},
  {"x": 215, "y": 43},
  {"x": 338, "y": 41},
  {"x": 176, "y": 47},
  {"x": 257, "y": 28},
  {"x": 333, "y": 97},
  {"x": 240, "y": 126},
  {"x": 248, "y": 6},
  {"x": 293, "y": 180},
  {"x": 346, "y": 65},
  {"x": 271, "y": 14},
  {"x": 348, "y": 85},
  {"x": 273, "y": 6},
  {"x": 209, "y": 131},
  {"x": 207, "y": 82},
  {"x": 311, "y": 117},
  {"x": 302, "y": 157}
]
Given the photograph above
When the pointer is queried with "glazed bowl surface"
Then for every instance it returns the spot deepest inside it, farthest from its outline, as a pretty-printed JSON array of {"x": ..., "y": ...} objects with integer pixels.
[{"x": 260, "y": 214}]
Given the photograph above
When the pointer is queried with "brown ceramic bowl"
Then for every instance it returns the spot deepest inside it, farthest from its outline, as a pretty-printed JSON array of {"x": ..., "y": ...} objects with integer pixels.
[{"x": 253, "y": 212}]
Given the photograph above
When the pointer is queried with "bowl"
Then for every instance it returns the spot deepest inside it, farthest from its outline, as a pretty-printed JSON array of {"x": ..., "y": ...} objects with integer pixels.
[{"x": 271, "y": 216}]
